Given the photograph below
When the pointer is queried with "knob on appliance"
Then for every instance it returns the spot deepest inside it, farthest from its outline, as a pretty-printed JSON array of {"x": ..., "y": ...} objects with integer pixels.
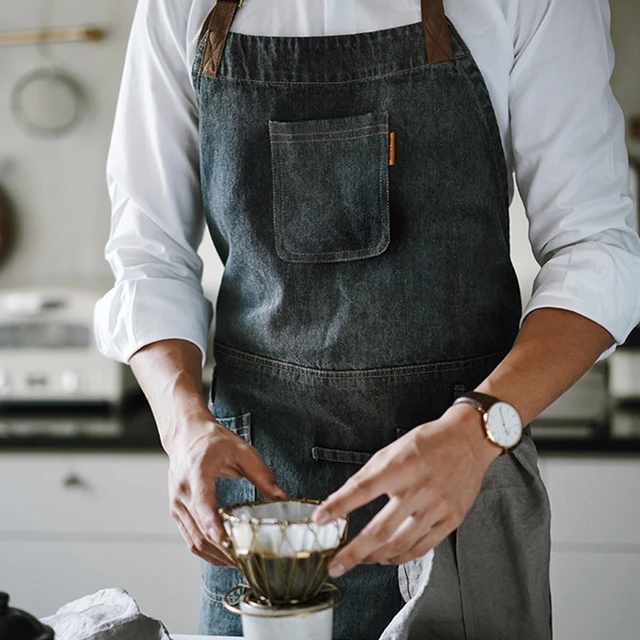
[
  {"x": 5, "y": 383},
  {"x": 71, "y": 381}
]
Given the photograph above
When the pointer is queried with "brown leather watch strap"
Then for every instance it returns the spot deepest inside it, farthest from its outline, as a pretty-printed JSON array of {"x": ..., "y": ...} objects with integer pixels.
[
  {"x": 482, "y": 401},
  {"x": 436, "y": 32},
  {"x": 218, "y": 25}
]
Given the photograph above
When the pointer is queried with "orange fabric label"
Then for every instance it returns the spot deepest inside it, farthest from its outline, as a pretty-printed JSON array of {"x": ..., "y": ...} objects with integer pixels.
[{"x": 392, "y": 148}]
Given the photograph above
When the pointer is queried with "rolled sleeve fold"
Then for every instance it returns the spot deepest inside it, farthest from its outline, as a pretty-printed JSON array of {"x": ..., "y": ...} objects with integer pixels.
[
  {"x": 157, "y": 220},
  {"x": 572, "y": 166},
  {"x": 142, "y": 311}
]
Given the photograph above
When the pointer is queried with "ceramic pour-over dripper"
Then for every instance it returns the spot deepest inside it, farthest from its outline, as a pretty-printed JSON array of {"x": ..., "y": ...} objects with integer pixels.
[{"x": 283, "y": 556}]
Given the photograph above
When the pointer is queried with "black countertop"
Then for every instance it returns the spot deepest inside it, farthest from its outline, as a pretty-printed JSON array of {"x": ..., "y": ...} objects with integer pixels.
[
  {"x": 131, "y": 428},
  {"x": 65, "y": 428}
]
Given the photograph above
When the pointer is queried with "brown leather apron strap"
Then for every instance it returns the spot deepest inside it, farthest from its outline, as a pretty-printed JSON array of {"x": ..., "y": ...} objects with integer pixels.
[
  {"x": 436, "y": 32},
  {"x": 218, "y": 25}
]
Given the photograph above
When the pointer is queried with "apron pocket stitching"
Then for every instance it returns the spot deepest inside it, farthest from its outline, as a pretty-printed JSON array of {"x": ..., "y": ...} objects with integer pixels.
[
  {"x": 323, "y": 454},
  {"x": 319, "y": 140},
  {"x": 240, "y": 425},
  {"x": 317, "y": 230}
]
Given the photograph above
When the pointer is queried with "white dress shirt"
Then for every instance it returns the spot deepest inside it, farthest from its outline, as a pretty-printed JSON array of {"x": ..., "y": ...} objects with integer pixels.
[{"x": 547, "y": 64}]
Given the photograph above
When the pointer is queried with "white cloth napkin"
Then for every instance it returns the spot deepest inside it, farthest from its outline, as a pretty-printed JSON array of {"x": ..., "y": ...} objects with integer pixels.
[
  {"x": 110, "y": 614},
  {"x": 414, "y": 580}
]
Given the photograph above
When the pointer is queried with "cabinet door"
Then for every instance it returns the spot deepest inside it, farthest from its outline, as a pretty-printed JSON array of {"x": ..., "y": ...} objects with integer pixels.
[
  {"x": 595, "y": 595},
  {"x": 85, "y": 493},
  {"x": 163, "y": 577}
]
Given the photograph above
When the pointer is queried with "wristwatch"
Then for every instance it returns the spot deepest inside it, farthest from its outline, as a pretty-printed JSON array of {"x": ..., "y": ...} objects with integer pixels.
[{"x": 500, "y": 420}]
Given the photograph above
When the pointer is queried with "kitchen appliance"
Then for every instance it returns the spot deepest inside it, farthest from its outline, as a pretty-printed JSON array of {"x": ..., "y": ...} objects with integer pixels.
[
  {"x": 48, "y": 353},
  {"x": 586, "y": 402},
  {"x": 284, "y": 558},
  {"x": 624, "y": 370}
]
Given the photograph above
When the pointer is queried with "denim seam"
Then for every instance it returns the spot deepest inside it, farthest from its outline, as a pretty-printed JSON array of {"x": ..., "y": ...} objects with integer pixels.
[
  {"x": 335, "y": 139},
  {"x": 323, "y": 133},
  {"x": 398, "y": 371},
  {"x": 340, "y": 456},
  {"x": 490, "y": 133},
  {"x": 240, "y": 425},
  {"x": 315, "y": 82},
  {"x": 384, "y": 166}
]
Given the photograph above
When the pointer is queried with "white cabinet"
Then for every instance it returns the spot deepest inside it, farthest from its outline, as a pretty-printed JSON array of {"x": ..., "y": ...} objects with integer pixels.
[
  {"x": 595, "y": 595},
  {"x": 73, "y": 524},
  {"x": 595, "y": 532},
  {"x": 43, "y": 574},
  {"x": 595, "y": 501},
  {"x": 87, "y": 493}
]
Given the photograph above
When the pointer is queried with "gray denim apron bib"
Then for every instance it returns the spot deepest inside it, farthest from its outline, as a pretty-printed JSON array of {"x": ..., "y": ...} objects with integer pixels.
[{"x": 356, "y": 189}]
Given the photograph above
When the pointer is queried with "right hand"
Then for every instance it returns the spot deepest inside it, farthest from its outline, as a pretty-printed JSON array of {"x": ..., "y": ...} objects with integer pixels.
[{"x": 207, "y": 451}]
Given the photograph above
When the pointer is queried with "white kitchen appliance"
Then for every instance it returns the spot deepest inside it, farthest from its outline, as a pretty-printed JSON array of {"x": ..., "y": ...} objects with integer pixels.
[{"x": 48, "y": 352}]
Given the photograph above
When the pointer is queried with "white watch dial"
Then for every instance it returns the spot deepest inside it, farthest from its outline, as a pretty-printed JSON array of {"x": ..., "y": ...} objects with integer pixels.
[{"x": 504, "y": 424}]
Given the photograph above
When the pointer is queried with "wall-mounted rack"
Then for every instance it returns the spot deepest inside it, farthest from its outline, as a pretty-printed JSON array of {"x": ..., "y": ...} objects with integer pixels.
[{"x": 63, "y": 34}]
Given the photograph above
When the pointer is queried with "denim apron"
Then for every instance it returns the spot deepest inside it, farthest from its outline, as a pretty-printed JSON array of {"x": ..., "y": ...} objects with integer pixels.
[{"x": 356, "y": 190}]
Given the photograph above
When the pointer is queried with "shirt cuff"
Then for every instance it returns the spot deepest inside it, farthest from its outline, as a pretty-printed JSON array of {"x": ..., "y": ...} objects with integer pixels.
[
  {"x": 136, "y": 313},
  {"x": 595, "y": 281}
]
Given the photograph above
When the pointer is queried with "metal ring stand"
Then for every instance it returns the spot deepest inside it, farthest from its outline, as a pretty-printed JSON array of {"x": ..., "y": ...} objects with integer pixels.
[{"x": 334, "y": 597}]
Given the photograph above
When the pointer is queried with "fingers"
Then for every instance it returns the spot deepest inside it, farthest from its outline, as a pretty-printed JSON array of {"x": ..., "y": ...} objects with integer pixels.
[
  {"x": 410, "y": 532},
  {"x": 254, "y": 469},
  {"x": 374, "y": 536},
  {"x": 202, "y": 508},
  {"x": 198, "y": 544},
  {"x": 362, "y": 488},
  {"x": 437, "y": 534}
]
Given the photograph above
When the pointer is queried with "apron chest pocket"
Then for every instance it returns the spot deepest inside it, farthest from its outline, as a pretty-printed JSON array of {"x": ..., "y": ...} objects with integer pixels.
[{"x": 331, "y": 188}]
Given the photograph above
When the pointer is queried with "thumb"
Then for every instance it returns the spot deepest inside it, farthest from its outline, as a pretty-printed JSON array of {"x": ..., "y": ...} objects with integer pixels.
[{"x": 254, "y": 469}]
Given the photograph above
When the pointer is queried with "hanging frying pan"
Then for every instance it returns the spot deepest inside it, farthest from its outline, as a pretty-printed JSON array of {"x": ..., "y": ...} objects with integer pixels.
[
  {"x": 7, "y": 220},
  {"x": 5, "y": 225}
]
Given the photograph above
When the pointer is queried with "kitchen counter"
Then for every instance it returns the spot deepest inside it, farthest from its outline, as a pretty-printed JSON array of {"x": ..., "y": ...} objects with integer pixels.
[
  {"x": 131, "y": 428},
  {"x": 203, "y": 638}
]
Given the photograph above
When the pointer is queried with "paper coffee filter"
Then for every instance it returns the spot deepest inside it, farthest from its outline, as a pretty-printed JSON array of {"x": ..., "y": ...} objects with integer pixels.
[{"x": 282, "y": 529}]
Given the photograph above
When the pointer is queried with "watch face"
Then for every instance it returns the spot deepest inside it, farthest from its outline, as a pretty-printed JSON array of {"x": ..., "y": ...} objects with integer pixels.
[{"x": 504, "y": 424}]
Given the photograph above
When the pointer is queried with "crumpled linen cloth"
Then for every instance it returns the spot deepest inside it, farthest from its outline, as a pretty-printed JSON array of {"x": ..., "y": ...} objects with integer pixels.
[
  {"x": 414, "y": 578},
  {"x": 110, "y": 614}
]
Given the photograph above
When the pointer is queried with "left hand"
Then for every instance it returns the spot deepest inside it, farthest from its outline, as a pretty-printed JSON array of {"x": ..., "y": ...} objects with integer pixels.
[{"x": 432, "y": 476}]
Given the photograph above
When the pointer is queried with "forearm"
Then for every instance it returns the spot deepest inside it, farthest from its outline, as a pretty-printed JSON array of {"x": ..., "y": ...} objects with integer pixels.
[
  {"x": 170, "y": 375},
  {"x": 554, "y": 349}
]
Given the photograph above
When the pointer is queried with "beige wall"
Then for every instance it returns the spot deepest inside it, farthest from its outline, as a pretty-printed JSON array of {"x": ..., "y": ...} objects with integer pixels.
[
  {"x": 626, "y": 78},
  {"x": 58, "y": 186}
]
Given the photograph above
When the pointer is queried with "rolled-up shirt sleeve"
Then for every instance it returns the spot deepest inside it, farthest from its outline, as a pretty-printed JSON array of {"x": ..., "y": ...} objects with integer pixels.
[
  {"x": 153, "y": 178},
  {"x": 571, "y": 162}
]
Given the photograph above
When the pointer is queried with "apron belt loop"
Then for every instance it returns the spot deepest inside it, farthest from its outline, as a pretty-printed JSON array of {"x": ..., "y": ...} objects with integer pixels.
[
  {"x": 436, "y": 32},
  {"x": 218, "y": 24}
]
